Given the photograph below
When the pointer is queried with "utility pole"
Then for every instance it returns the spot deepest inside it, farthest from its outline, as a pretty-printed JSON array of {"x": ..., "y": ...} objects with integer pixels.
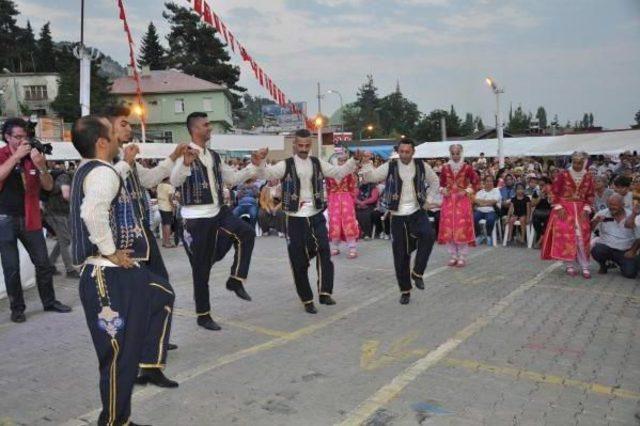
[
  {"x": 85, "y": 56},
  {"x": 319, "y": 127},
  {"x": 443, "y": 128}
]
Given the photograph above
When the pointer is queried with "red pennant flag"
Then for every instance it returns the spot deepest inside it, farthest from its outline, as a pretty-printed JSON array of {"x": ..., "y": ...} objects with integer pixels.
[
  {"x": 216, "y": 21},
  {"x": 121, "y": 6},
  {"x": 232, "y": 42},
  {"x": 254, "y": 66},
  {"x": 244, "y": 54},
  {"x": 224, "y": 32},
  {"x": 207, "y": 14},
  {"x": 197, "y": 6},
  {"x": 261, "y": 76}
]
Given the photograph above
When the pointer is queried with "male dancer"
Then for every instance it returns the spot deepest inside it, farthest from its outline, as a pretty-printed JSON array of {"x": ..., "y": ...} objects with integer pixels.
[
  {"x": 408, "y": 183},
  {"x": 303, "y": 201},
  {"x": 136, "y": 179},
  {"x": 199, "y": 174},
  {"x": 127, "y": 307}
]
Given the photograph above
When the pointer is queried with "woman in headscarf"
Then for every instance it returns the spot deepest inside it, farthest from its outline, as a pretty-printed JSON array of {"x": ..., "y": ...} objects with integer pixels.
[
  {"x": 343, "y": 225},
  {"x": 568, "y": 230},
  {"x": 458, "y": 182}
]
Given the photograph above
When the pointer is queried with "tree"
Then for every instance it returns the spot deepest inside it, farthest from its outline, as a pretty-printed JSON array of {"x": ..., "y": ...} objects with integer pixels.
[
  {"x": 469, "y": 126},
  {"x": 519, "y": 121},
  {"x": 479, "y": 125},
  {"x": 429, "y": 128},
  {"x": 152, "y": 54},
  {"x": 66, "y": 103},
  {"x": 541, "y": 116},
  {"x": 195, "y": 50},
  {"x": 9, "y": 32},
  {"x": 25, "y": 44},
  {"x": 364, "y": 111},
  {"x": 590, "y": 120},
  {"x": 398, "y": 115},
  {"x": 454, "y": 124},
  {"x": 585, "y": 121},
  {"x": 637, "y": 117},
  {"x": 46, "y": 58}
]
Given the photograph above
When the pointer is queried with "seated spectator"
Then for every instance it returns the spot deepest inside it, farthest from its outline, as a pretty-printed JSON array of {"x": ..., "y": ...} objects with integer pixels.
[
  {"x": 247, "y": 198},
  {"x": 486, "y": 202},
  {"x": 381, "y": 217},
  {"x": 532, "y": 190},
  {"x": 602, "y": 193},
  {"x": 365, "y": 203},
  {"x": 541, "y": 209},
  {"x": 519, "y": 211},
  {"x": 507, "y": 192},
  {"x": 619, "y": 240},
  {"x": 271, "y": 215},
  {"x": 622, "y": 186}
]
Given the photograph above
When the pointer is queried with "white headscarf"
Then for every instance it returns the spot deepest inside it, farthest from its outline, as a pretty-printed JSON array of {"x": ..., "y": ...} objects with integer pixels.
[
  {"x": 456, "y": 166},
  {"x": 578, "y": 175}
]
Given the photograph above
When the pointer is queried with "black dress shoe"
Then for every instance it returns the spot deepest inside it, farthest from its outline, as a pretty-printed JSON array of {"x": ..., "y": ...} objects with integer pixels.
[
  {"x": 325, "y": 299},
  {"x": 419, "y": 283},
  {"x": 171, "y": 346},
  {"x": 57, "y": 307},
  {"x": 236, "y": 286},
  {"x": 205, "y": 321},
  {"x": 310, "y": 308},
  {"x": 136, "y": 424},
  {"x": 404, "y": 298},
  {"x": 155, "y": 377},
  {"x": 73, "y": 275},
  {"x": 18, "y": 316}
]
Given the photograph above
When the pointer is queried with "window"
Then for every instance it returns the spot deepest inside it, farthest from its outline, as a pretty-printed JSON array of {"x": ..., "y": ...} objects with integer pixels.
[
  {"x": 179, "y": 106},
  {"x": 168, "y": 137},
  {"x": 207, "y": 104},
  {"x": 35, "y": 93}
]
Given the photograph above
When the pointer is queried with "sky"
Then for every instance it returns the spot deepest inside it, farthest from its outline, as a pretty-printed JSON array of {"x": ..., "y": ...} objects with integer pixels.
[{"x": 570, "y": 56}]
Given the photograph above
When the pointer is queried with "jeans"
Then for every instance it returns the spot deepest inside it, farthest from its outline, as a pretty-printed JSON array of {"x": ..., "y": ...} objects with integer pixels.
[
  {"x": 250, "y": 209},
  {"x": 602, "y": 253},
  {"x": 490, "y": 217},
  {"x": 11, "y": 230}
]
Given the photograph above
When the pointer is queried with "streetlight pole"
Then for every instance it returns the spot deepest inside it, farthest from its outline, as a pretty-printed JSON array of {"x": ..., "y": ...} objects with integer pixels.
[
  {"x": 499, "y": 130},
  {"x": 85, "y": 58},
  {"x": 341, "y": 109},
  {"x": 319, "y": 127}
]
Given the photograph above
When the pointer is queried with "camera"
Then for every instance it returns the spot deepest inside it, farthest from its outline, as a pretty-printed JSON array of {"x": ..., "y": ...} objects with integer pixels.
[{"x": 43, "y": 148}]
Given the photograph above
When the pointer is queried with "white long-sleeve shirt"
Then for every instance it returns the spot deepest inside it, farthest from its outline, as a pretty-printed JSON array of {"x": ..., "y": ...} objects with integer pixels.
[
  {"x": 304, "y": 169},
  {"x": 230, "y": 176},
  {"x": 100, "y": 186},
  {"x": 149, "y": 178},
  {"x": 408, "y": 203}
]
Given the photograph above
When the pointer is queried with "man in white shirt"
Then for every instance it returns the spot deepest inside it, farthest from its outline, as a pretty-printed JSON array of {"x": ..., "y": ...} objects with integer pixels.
[
  {"x": 303, "y": 201},
  {"x": 200, "y": 176},
  {"x": 126, "y": 305},
  {"x": 409, "y": 183},
  {"x": 619, "y": 239},
  {"x": 486, "y": 201}
]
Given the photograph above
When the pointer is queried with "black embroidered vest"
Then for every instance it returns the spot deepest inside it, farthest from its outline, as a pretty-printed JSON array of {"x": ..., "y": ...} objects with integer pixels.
[
  {"x": 140, "y": 196},
  {"x": 291, "y": 186},
  {"x": 393, "y": 185},
  {"x": 126, "y": 227},
  {"x": 195, "y": 189}
]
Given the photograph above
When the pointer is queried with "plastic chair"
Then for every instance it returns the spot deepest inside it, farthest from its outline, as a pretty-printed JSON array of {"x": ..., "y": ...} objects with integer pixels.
[
  {"x": 507, "y": 230},
  {"x": 494, "y": 232},
  {"x": 531, "y": 235}
]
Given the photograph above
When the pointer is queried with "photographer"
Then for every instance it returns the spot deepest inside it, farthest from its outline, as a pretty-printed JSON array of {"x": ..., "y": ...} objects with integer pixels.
[{"x": 23, "y": 173}]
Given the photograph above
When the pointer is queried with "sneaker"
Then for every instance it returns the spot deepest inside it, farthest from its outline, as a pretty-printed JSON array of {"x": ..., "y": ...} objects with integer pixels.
[{"x": 489, "y": 241}]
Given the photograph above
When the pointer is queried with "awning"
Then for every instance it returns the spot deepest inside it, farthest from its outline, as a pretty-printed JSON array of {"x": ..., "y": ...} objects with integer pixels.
[
  {"x": 592, "y": 143},
  {"x": 383, "y": 151}
]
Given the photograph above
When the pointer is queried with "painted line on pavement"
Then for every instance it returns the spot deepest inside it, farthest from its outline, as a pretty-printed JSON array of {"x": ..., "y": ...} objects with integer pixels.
[
  {"x": 542, "y": 378},
  {"x": 148, "y": 392},
  {"x": 389, "y": 391},
  {"x": 589, "y": 290}
]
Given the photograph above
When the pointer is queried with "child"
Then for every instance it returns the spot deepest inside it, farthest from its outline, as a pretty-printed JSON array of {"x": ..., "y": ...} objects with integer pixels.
[{"x": 520, "y": 210}]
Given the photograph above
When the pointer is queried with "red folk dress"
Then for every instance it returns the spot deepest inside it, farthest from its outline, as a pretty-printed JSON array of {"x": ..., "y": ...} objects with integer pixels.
[
  {"x": 456, "y": 214},
  {"x": 343, "y": 225},
  {"x": 560, "y": 240}
]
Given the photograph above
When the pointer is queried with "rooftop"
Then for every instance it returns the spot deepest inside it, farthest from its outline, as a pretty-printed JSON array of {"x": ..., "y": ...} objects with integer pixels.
[{"x": 165, "y": 81}]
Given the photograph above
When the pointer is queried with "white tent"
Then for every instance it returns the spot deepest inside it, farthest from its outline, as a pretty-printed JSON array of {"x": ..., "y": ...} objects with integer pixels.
[{"x": 592, "y": 143}]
